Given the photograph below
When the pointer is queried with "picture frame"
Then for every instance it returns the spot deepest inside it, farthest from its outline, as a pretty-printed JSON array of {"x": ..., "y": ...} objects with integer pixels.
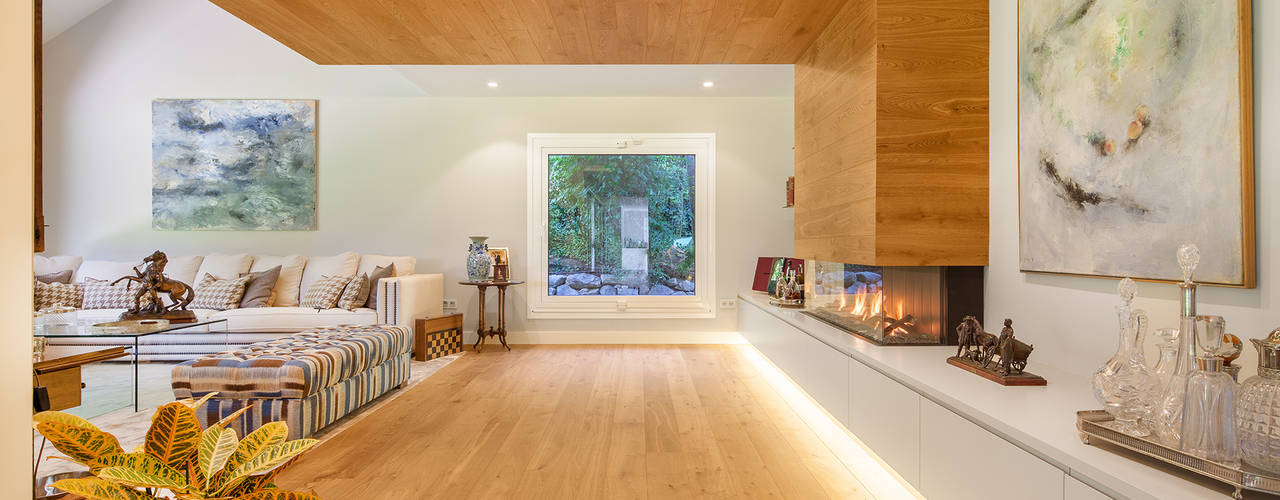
[
  {"x": 499, "y": 256},
  {"x": 1109, "y": 156}
]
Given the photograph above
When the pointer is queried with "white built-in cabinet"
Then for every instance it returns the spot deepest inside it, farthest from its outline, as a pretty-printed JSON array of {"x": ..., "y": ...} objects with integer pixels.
[
  {"x": 1073, "y": 489},
  {"x": 930, "y": 446},
  {"x": 951, "y": 470},
  {"x": 885, "y": 415}
]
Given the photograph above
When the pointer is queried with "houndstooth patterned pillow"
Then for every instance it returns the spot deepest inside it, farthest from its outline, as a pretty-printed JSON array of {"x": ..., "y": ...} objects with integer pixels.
[
  {"x": 58, "y": 294},
  {"x": 219, "y": 295},
  {"x": 101, "y": 294},
  {"x": 324, "y": 294},
  {"x": 356, "y": 293}
]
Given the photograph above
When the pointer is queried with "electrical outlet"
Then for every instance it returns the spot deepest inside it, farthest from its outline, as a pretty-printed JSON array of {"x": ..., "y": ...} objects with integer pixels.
[
  {"x": 450, "y": 304},
  {"x": 728, "y": 303}
]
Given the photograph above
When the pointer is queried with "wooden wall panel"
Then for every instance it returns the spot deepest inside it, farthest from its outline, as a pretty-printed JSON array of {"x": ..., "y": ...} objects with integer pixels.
[
  {"x": 835, "y": 140},
  {"x": 931, "y": 132},
  {"x": 891, "y": 135}
]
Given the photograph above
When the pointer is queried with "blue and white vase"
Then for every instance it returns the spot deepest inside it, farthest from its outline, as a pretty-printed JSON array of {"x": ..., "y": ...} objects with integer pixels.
[{"x": 478, "y": 259}]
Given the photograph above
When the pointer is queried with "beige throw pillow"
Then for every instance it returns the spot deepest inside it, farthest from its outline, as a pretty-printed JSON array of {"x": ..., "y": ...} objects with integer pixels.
[
  {"x": 218, "y": 294},
  {"x": 356, "y": 293},
  {"x": 58, "y": 277},
  {"x": 58, "y": 294},
  {"x": 374, "y": 277},
  {"x": 261, "y": 284},
  {"x": 287, "y": 285},
  {"x": 324, "y": 293},
  {"x": 101, "y": 294}
]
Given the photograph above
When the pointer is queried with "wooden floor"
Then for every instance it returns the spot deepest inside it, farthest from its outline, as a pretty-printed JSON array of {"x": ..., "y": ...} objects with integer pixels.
[{"x": 599, "y": 422}]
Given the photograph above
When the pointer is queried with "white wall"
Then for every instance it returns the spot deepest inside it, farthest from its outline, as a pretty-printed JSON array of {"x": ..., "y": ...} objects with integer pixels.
[
  {"x": 1071, "y": 320},
  {"x": 15, "y": 248},
  {"x": 398, "y": 173}
]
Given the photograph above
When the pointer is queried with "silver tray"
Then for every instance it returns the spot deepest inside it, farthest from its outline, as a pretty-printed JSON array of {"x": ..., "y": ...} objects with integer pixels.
[{"x": 1097, "y": 424}]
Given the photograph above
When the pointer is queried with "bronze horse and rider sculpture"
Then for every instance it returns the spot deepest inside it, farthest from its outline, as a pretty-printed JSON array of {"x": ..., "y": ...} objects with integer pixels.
[
  {"x": 977, "y": 350},
  {"x": 151, "y": 283}
]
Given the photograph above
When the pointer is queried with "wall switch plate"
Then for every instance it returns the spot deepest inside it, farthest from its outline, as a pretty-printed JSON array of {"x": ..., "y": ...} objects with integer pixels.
[
  {"x": 450, "y": 304},
  {"x": 728, "y": 303}
]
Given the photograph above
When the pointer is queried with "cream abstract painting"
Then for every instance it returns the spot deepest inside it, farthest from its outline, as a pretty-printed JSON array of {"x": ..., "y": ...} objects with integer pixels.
[{"x": 1134, "y": 137}]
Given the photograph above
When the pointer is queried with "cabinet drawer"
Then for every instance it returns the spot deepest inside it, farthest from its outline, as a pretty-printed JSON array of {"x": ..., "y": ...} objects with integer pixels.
[
  {"x": 885, "y": 415},
  {"x": 1076, "y": 490},
  {"x": 961, "y": 461},
  {"x": 820, "y": 370}
]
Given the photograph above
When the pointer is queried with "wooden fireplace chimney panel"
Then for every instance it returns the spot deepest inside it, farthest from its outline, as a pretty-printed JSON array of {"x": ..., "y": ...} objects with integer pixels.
[{"x": 922, "y": 151}]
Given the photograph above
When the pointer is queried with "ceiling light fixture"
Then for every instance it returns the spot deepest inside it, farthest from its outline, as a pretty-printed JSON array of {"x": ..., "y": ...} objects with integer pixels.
[
  {"x": 708, "y": 84},
  {"x": 493, "y": 85}
]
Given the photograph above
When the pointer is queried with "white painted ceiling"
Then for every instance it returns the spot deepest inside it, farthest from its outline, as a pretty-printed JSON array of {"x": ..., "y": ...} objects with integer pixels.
[
  {"x": 59, "y": 15},
  {"x": 731, "y": 80}
]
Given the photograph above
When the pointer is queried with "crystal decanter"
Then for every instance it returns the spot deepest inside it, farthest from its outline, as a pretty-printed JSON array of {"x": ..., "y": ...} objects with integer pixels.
[
  {"x": 1208, "y": 414},
  {"x": 1168, "y": 345},
  {"x": 1166, "y": 419},
  {"x": 1258, "y": 408},
  {"x": 1125, "y": 385}
]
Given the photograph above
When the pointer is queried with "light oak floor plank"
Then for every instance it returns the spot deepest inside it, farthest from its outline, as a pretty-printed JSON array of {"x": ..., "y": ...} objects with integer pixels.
[{"x": 642, "y": 421}]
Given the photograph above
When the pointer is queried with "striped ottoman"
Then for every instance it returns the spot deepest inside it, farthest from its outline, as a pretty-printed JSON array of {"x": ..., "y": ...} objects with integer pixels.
[{"x": 308, "y": 380}]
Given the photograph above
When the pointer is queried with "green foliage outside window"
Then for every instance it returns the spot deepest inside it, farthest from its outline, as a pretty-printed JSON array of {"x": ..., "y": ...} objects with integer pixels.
[{"x": 585, "y": 192}]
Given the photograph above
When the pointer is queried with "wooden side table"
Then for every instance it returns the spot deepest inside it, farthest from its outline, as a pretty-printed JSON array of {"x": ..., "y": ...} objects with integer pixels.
[
  {"x": 501, "y": 330},
  {"x": 61, "y": 376},
  {"x": 436, "y": 337}
]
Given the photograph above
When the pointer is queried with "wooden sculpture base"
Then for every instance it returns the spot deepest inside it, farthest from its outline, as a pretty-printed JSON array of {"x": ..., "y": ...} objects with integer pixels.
[
  {"x": 174, "y": 317},
  {"x": 1020, "y": 379}
]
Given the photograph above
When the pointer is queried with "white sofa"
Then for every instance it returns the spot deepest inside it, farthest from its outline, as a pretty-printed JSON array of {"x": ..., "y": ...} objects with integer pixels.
[{"x": 401, "y": 299}]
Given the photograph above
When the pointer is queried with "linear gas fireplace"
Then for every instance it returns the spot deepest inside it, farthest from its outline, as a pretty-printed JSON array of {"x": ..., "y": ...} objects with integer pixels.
[{"x": 894, "y": 305}]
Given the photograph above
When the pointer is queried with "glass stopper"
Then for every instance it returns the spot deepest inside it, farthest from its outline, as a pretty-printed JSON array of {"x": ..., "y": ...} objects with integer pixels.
[
  {"x": 1188, "y": 259},
  {"x": 1128, "y": 290}
]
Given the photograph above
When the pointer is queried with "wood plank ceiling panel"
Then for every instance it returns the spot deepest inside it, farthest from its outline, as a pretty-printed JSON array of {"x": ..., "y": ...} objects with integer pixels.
[{"x": 541, "y": 31}]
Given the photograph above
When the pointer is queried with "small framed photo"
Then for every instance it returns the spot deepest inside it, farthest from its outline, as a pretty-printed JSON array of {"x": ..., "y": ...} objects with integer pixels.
[{"x": 499, "y": 256}]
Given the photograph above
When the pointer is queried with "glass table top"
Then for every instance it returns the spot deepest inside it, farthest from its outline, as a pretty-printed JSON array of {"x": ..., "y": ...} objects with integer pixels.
[{"x": 120, "y": 329}]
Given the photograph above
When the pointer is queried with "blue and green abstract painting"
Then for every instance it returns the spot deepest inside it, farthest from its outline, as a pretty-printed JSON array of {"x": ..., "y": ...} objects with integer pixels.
[{"x": 233, "y": 164}]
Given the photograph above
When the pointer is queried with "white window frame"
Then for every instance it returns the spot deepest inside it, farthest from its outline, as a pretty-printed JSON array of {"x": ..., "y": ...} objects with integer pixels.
[{"x": 699, "y": 305}]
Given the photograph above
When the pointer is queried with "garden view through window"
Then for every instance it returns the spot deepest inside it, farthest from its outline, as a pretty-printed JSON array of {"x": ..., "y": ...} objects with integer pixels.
[{"x": 620, "y": 224}]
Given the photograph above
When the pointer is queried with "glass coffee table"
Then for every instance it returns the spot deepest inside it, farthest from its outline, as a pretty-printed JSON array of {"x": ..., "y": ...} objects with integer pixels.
[{"x": 107, "y": 377}]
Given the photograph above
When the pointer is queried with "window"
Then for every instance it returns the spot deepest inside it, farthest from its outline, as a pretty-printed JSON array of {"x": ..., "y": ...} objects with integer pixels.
[{"x": 621, "y": 225}]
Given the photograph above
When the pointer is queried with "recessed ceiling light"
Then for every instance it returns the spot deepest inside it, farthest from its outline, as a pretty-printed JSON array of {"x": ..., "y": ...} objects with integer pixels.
[
  {"x": 708, "y": 84},
  {"x": 493, "y": 85}
]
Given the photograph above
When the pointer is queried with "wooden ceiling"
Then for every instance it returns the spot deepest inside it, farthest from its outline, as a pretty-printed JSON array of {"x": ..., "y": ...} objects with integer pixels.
[{"x": 541, "y": 31}]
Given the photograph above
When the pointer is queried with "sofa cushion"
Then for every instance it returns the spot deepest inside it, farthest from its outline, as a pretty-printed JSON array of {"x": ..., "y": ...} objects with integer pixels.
[
  {"x": 378, "y": 274},
  {"x": 104, "y": 270},
  {"x": 224, "y": 266},
  {"x": 295, "y": 366},
  {"x": 257, "y": 293},
  {"x": 184, "y": 268},
  {"x": 356, "y": 293},
  {"x": 324, "y": 294},
  {"x": 343, "y": 264},
  {"x": 404, "y": 265},
  {"x": 63, "y": 277},
  {"x": 58, "y": 294},
  {"x": 287, "y": 285},
  {"x": 99, "y": 294},
  {"x": 219, "y": 294},
  {"x": 291, "y": 319},
  {"x": 45, "y": 265}
]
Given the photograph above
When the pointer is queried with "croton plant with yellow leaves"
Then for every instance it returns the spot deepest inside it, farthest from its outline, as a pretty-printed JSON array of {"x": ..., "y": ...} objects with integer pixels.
[{"x": 178, "y": 459}]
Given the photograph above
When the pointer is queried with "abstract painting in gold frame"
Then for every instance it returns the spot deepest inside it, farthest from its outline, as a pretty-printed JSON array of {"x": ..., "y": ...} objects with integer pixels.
[{"x": 1135, "y": 135}]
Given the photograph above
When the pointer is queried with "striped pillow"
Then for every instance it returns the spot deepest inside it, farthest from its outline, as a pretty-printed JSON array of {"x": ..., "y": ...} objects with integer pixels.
[
  {"x": 356, "y": 293},
  {"x": 218, "y": 294},
  {"x": 324, "y": 293}
]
